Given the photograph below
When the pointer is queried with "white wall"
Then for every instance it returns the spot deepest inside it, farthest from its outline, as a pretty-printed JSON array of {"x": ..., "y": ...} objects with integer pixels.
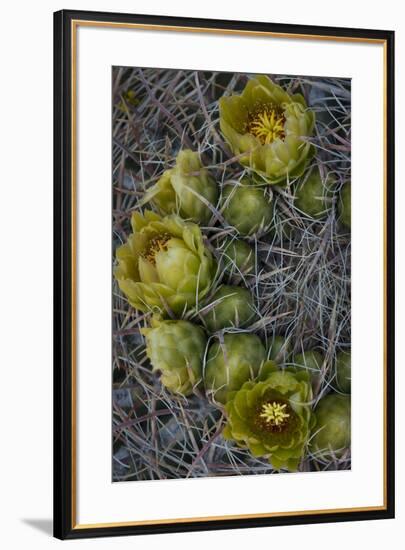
[{"x": 26, "y": 271}]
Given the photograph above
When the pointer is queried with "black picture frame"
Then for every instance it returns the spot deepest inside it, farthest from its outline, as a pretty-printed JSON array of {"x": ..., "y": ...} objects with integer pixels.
[{"x": 64, "y": 445}]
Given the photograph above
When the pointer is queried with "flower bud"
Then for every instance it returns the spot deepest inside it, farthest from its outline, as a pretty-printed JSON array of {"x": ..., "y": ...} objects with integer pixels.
[
  {"x": 247, "y": 208},
  {"x": 343, "y": 371},
  {"x": 313, "y": 196},
  {"x": 332, "y": 429},
  {"x": 279, "y": 349},
  {"x": 237, "y": 257},
  {"x": 232, "y": 362},
  {"x": 345, "y": 205},
  {"x": 311, "y": 360},
  {"x": 229, "y": 307}
]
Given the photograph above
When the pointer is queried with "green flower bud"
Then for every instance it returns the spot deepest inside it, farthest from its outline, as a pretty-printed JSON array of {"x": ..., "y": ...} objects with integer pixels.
[
  {"x": 187, "y": 189},
  {"x": 237, "y": 257},
  {"x": 272, "y": 418},
  {"x": 247, "y": 208},
  {"x": 345, "y": 205},
  {"x": 229, "y": 307},
  {"x": 176, "y": 349},
  {"x": 311, "y": 360},
  {"x": 343, "y": 371},
  {"x": 332, "y": 429},
  {"x": 231, "y": 363},
  {"x": 269, "y": 128},
  {"x": 267, "y": 368},
  {"x": 164, "y": 265},
  {"x": 313, "y": 196},
  {"x": 279, "y": 349}
]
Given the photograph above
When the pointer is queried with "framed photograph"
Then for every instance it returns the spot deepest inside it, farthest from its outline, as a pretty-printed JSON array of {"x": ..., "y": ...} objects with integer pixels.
[{"x": 224, "y": 274}]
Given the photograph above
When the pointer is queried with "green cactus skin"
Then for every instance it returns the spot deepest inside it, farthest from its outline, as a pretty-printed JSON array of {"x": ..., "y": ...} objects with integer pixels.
[
  {"x": 311, "y": 360},
  {"x": 176, "y": 350},
  {"x": 312, "y": 196},
  {"x": 233, "y": 308},
  {"x": 231, "y": 363},
  {"x": 279, "y": 350},
  {"x": 332, "y": 429},
  {"x": 247, "y": 208},
  {"x": 345, "y": 205},
  {"x": 237, "y": 257},
  {"x": 343, "y": 372},
  {"x": 272, "y": 417}
]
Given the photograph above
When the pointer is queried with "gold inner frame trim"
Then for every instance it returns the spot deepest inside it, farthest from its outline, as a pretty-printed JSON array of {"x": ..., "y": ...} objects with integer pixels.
[
  {"x": 232, "y": 517},
  {"x": 266, "y": 34},
  {"x": 140, "y": 26}
]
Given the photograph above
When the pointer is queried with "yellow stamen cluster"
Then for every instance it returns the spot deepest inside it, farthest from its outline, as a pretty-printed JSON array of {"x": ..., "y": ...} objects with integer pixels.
[
  {"x": 267, "y": 124},
  {"x": 155, "y": 245},
  {"x": 274, "y": 413}
]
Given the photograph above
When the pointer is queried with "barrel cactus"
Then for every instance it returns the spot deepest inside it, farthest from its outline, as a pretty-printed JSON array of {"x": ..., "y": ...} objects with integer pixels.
[
  {"x": 237, "y": 257},
  {"x": 310, "y": 360},
  {"x": 247, "y": 208},
  {"x": 232, "y": 362},
  {"x": 313, "y": 195},
  {"x": 279, "y": 349},
  {"x": 332, "y": 429},
  {"x": 230, "y": 307}
]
